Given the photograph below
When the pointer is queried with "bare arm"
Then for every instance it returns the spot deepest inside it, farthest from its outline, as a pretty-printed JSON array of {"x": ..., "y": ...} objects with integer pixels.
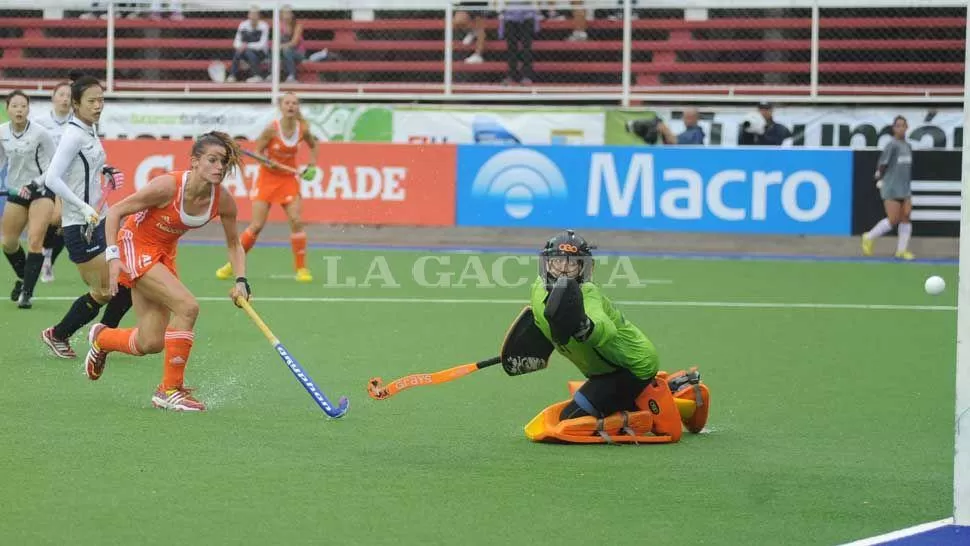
[
  {"x": 156, "y": 193},
  {"x": 312, "y": 142},
  {"x": 262, "y": 142},
  {"x": 237, "y": 256},
  {"x": 297, "y": 35}
]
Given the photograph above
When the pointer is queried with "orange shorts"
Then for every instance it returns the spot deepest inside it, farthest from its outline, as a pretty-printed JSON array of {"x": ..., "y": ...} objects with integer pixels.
[
  {"x": 138, "y": 259},
  {"x": 274, "y": 188}
]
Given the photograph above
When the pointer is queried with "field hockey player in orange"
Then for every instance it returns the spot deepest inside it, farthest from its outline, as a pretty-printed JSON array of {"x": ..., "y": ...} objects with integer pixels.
[
  {"x": 277, "y": 182},
  {"x": 143, "y": 259}
]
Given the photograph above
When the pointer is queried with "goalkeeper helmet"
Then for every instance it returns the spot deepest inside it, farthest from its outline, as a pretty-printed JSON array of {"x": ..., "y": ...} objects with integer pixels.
[{"x": 566, "y": 254}]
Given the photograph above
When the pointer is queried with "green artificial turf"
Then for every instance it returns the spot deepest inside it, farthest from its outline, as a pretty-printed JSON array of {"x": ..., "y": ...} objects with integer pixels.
[{"x": 827, "y": 424}]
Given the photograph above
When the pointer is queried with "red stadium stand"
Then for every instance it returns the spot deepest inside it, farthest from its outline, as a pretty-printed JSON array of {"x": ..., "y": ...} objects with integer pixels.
[{"x": 917, "y": 54}]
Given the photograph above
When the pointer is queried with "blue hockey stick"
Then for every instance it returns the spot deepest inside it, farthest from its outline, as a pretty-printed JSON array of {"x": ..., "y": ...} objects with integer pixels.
[{"x": 294, "y": 366}]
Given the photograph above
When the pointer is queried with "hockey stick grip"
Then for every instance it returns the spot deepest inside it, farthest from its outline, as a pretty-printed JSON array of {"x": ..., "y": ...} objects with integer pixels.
[{"x": 488, "y": 362}]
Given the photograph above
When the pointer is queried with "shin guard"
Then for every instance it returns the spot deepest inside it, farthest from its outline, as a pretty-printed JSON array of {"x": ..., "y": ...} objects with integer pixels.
[{"x": 619, "y": 428}]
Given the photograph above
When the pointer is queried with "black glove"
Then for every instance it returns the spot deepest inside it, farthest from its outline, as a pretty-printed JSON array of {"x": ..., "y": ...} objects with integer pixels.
[
  {"x": 245, "y": 283},
  {"x": 566, "y": 313}
]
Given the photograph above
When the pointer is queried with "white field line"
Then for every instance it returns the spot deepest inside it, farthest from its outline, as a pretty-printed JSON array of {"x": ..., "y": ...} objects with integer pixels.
[
  {"x": 902, "y": 533},
  {"x": 523, "y": 301}
]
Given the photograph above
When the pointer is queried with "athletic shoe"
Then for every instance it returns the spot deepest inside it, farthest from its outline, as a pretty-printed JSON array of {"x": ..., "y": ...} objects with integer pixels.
[
  {"x": 303, "y": 275},
  {"x": 25, "y": 301},
  {"x": 47, "y": 270},
  {"x": 18, "y": 287},
  {"x": 61, "y": 347},
  {"x": 224, "y": 272},
  {"x": 866, "y": 245},
  {"x": 96, "y": 359},
  {"x": 905, "y": 255},
  {"x": 177, "y": 399}
]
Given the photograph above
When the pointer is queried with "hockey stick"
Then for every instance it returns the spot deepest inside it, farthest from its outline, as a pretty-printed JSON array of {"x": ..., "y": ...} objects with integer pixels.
[
  {"x": 378, "y": 391},
  {"x": 294, "y": 366},
  {"x": 270, "y": 162}
]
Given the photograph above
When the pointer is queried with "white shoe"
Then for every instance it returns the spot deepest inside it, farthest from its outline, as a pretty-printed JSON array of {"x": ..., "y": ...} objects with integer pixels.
[
  {"x": 578, "y": 36},
  {"x": 475, "y": 58},
  {"x": 231, "y": 79},
  {"x": 468, "y": 39},
  {"x": 254, "y": 79}
]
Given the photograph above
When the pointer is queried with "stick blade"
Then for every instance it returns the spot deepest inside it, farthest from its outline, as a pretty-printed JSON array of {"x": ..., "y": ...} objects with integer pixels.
[
  {"x": 376, "y": 389},
  {"x": 342, "y": 406}
]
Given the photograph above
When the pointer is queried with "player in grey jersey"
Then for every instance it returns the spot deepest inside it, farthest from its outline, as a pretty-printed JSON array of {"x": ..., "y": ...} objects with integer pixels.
[
  {"x": 75, "y": 175},
  {"x": 54, "y": 121},
  {"x": 893, "y": 178},
  {"x": 26, "y": 149}
]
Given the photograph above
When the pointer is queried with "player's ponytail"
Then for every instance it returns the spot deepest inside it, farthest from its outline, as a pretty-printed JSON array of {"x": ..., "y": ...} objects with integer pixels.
[{"x": 218, "y": 138}]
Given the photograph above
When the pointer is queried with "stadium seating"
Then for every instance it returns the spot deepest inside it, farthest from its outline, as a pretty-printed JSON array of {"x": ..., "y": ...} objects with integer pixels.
[{"x": 759, "y": 53}]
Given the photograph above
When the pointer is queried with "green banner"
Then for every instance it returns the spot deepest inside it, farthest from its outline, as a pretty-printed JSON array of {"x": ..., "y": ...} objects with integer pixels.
[
  {"x": 350, "y": 123},
  {"x": 616, "y": 133}
]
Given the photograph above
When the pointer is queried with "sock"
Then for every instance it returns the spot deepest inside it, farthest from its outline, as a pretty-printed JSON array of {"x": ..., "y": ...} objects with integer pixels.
[
  {"x": 18, "y": 261},
  {"x": 35, "y": 260},
  {"x": 54, "y": 240},
  {"x": 247, "y": 239},
  {"x": 82, "y": 311},
  {"x": 117, "y": 307},
  {"x": 298, "y": 243},
  {"x": 881, "y": 228},
  {"x": 121, "y": 340},
  {"x": 905, "y": 230},
  {"x": 178, "y": 345}
]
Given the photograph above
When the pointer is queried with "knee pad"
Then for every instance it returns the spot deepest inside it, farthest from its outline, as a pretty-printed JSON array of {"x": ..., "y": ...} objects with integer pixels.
[{"x": 659, "y": 401}]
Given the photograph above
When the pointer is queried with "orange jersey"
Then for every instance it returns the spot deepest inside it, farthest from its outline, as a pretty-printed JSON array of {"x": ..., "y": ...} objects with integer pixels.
[
  {"x": 283, "y": 150},
  {"x": 151, "y": 236}
]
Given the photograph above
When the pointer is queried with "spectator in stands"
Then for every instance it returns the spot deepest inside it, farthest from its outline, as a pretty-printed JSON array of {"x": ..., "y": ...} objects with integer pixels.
[
  {"x": 175, "y": 6},
  {"x": 579, "y": 22},
  {"x": 251, "y": 45},
  {"x": 120, "y": 11},
  {"x": 759, "y": 128},
  {"x": 470, "y": 16},
  {"x": 518, "y": 24},
  {"x": 292, "y": 49}
]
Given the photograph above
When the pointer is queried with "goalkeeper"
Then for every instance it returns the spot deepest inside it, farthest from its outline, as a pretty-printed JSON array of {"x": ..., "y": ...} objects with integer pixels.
[
  {"x": 625, "y": 398},
  {"x": 280, "y": 142}
]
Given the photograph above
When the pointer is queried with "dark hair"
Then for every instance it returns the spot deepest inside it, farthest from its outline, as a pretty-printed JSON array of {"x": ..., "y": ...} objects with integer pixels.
[
  {"x": 80, "y": 83},
  {"x": 17, "y": 93},
  {"x": 897, "y": 118},
  {"x": 59, "y": 86},
  {"x": 217, "y": 138}
]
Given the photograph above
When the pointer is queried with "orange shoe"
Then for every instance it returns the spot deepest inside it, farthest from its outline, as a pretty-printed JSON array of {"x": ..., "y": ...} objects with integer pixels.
[{"x": 177, "y": 399}]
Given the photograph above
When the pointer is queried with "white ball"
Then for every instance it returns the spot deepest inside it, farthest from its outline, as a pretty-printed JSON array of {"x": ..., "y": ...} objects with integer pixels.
[{"x": 934, "y": 285}]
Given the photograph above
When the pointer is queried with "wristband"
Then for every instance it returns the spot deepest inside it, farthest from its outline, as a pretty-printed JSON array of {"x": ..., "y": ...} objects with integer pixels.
[{"x": 112, "y": 253}]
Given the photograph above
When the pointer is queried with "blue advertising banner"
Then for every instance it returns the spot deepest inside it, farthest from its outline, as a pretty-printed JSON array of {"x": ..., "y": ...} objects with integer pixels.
[{"x": 739, "y": 190}]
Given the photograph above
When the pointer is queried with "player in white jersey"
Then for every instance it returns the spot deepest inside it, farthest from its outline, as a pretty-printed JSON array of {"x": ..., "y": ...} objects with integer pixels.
[
  {"x": 75, "y": 175},
  {"x": 26, "y": 148},
  {"x": 55, "y": 121}
]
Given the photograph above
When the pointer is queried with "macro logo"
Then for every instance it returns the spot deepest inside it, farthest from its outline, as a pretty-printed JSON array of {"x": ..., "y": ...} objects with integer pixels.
[{"x": 520, "y": 176}]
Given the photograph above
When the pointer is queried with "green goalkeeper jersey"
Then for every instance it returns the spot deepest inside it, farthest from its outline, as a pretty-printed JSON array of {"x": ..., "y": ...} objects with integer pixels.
[{"x": 614, "y": 343}]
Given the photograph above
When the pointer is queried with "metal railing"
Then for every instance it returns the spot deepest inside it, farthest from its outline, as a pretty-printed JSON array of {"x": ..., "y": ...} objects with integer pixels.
[{"x": 795, "y": 51}]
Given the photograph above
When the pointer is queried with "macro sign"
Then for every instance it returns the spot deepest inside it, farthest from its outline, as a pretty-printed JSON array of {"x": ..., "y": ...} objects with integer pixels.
[{"x": 747, "y": 190}]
